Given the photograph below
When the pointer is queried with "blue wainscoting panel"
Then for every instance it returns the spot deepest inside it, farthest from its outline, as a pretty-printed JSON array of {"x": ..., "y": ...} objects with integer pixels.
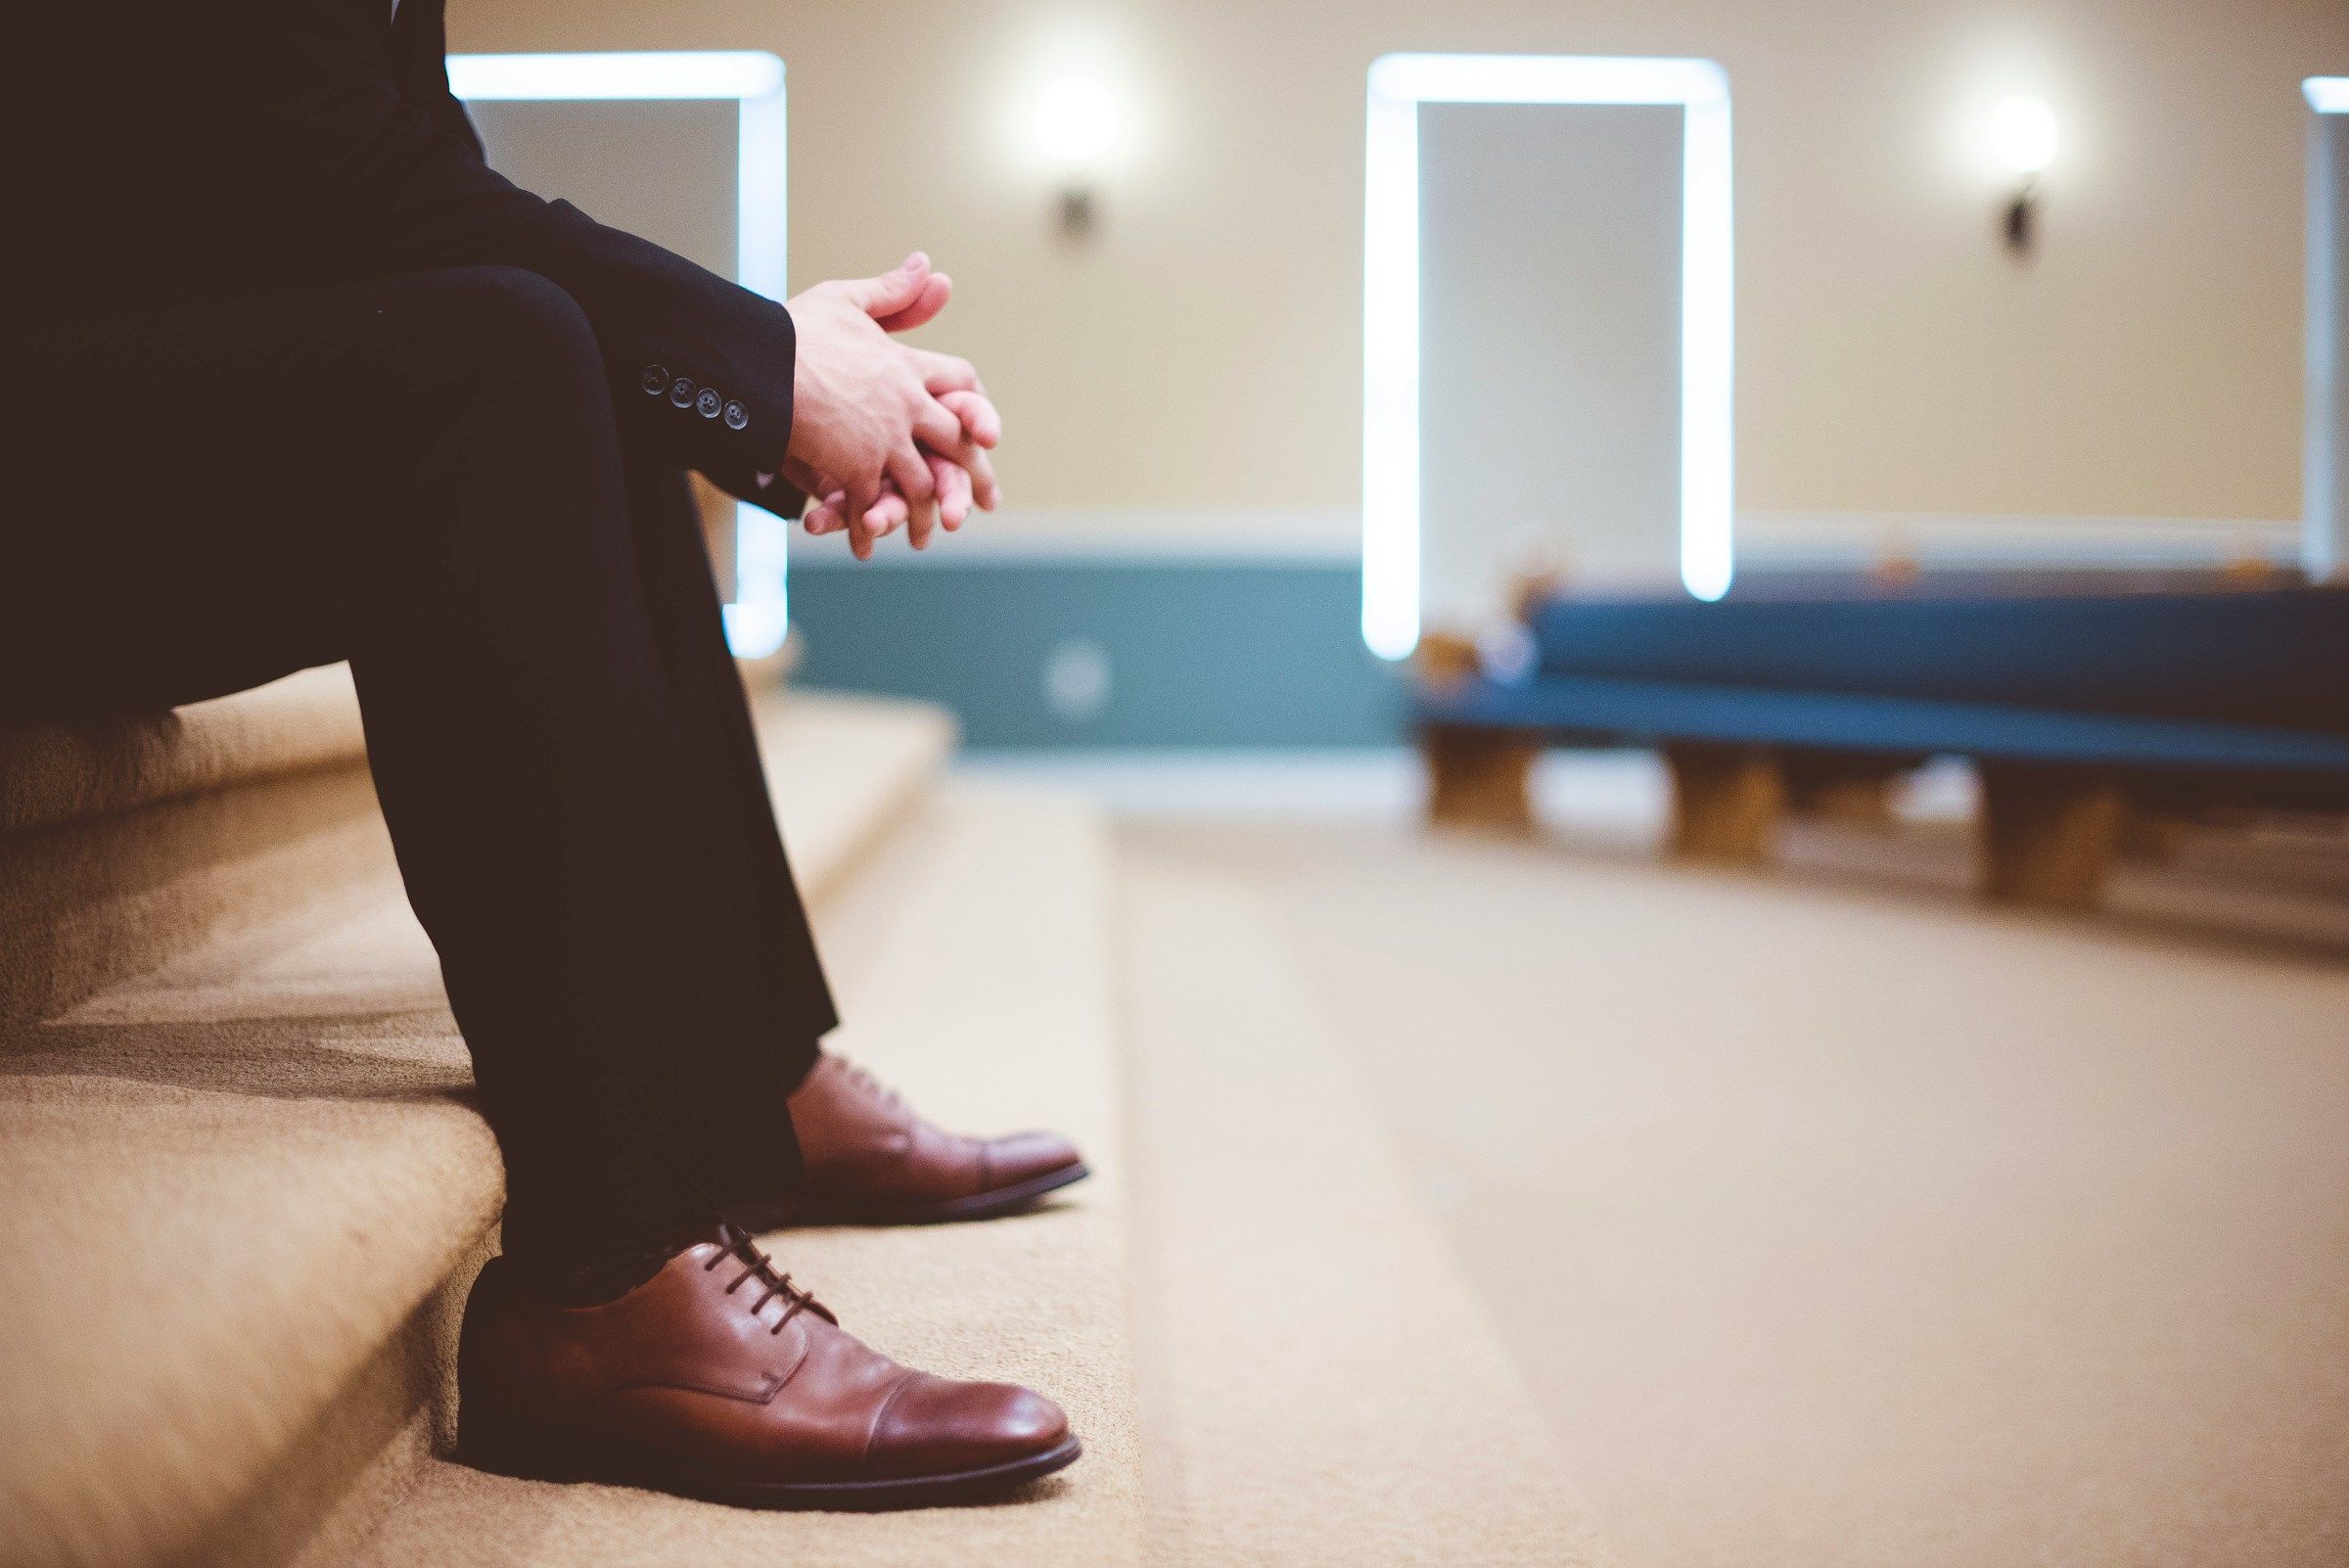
[{"x": 1042, "y": 651}]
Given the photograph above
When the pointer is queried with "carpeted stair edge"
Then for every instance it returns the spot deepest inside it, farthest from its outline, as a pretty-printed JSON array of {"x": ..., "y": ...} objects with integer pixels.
[
  {"x": 89, "y": 905},
  {"x": 69, "y": 773},
  {"x": 844, "y": 772},
  {"x": 126, "y": 843}
]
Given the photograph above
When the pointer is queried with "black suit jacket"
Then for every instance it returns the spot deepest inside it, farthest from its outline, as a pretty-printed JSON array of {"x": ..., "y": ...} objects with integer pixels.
[{"x": 187, "y": 150}]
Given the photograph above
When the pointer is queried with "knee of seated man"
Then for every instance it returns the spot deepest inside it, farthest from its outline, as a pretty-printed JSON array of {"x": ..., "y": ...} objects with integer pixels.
[{"x": 519, "y": 331}]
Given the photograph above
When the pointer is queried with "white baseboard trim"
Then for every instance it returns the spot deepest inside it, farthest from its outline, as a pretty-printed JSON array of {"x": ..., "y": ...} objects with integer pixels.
[
  {"x": 1992, "y": 540},
  {"x": 1238, "y": 535},
  {"x": 1115, "y": 534},
  {"x": 1381, "y": 784}
]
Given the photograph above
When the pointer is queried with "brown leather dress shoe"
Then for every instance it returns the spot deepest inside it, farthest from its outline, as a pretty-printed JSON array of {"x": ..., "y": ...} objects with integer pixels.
[
  {"x": 870, "y": 1160},
  {"x": 717, "y": 1379}
]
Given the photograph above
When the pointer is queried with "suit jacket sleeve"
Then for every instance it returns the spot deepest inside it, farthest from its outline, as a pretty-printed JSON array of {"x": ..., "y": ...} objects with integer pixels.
[{"x": 700, "y": 367}]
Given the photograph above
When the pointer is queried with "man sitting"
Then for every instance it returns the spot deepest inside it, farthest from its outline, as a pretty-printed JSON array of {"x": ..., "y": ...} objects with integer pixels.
[{"x": 311, "y": 382}]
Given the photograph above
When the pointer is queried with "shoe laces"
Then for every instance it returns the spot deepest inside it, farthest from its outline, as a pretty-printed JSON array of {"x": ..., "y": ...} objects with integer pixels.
[
  {"x": 735, "y": 1245},
  {"x": 866, "y": 1081}
]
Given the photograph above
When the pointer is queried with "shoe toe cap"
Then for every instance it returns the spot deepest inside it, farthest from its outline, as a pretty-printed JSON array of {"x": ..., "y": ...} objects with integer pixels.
[
  {"x": 1027, "y": 1156},
  {"x": 937, "y": 1425}
]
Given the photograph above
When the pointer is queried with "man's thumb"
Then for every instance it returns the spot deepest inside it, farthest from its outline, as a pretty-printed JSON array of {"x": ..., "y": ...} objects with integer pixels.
[{"x": 893, "y": 292}]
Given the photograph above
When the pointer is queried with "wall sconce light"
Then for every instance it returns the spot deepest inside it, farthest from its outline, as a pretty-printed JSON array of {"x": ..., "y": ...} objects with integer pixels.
[
  {"x": 1076, "y": 125},
  {"x": 2022, "y": 138}
]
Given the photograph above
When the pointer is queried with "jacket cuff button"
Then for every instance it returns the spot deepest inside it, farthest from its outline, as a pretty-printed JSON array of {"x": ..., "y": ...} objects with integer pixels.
[
  {"x": 737, "y": 416},
  {"x": 655, "y": 379},
  {"x": 707, "y": 403},
  {"x": 680, "y": 391}
]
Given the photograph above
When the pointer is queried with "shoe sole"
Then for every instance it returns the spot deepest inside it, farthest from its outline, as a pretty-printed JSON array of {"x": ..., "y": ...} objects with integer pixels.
[
  {"x": 796, "y": 1210},
  {"x": 844, "y": 1497}
]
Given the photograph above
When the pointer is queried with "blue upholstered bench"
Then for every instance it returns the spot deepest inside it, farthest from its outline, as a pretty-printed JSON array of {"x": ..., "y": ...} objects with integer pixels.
[{"x": 2074, "y": 706}]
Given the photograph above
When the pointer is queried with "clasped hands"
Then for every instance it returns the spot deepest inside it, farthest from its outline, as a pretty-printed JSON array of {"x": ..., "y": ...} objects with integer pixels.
[{"x": 885, "y": 435}]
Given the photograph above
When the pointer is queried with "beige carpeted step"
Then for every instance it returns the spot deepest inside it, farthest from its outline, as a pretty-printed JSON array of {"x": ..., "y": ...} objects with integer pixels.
[
  {"x": 1320, "y": 1388},
  {"x": 972, "y": 959},
  {"x": 844, "y": 772},
  {"x": 69, "y": 774},
  {"x": 126, "y": 842},
  {"x": 233, "y": 1188}
]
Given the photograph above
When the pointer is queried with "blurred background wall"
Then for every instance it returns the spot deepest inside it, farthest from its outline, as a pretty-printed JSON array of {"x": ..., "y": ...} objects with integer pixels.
[
  {"x": 1187, "y": 377},
  {"x": 1201, "y": 349}
]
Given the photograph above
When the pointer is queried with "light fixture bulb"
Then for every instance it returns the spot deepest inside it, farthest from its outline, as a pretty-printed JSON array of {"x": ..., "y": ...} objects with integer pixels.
[
  {"x": 1076, "y": 120},
  {"x": 2022, "y": 136}
]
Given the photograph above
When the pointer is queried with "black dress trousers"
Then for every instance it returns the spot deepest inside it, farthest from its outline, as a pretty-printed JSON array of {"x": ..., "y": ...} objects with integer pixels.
[{"x": 422, "y": 473}]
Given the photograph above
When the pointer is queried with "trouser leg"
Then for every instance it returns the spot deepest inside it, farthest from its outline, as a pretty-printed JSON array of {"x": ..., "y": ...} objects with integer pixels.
[
  {"x": 683, "y": 593},
  {"x": 423, "y": 475}
]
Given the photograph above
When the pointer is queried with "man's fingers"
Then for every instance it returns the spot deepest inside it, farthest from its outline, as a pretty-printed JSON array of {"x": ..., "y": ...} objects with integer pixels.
[
  {"x": 937, "y": 290},
  {"x": 951, "y": 484},
  {"x": 984, "y": 488},
  {"x": 953, "y": 501},
  {"x": 888, "y": 515},
  {"x": 893, "y": 290},
  {"x": 875, "y": 524},
  {"x": 920, "y": 523},
  {"x": 856, "y": 499},
  {"x": 831, "y": 514},
  {"x": 817, "y": 488},
  {"x": 823, "y": 511},
  {"x": 943, "y": 435},
  {"x": 954, "y": 494},
  {"x": 980, "y": 421},
  {"x": 910, "y": 473},
  {"x": 941, "y": 431},
  {"x": 942, "y": 373},
  {"x": 936, "y": 429}
]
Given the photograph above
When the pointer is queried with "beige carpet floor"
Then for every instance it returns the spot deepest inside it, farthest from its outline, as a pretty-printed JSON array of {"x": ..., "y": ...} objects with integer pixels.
[
  {"x": 1835, "y": 1219},
  {"x": 1320, "y": 1389}
]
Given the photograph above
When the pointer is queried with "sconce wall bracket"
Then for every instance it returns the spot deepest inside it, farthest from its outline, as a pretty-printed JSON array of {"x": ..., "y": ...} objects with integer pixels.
[{"x": 2019, "y": 222}]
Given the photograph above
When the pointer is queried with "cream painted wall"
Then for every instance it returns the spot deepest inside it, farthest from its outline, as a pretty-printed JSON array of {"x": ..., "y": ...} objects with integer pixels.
[{"x": 1201, "y": 349}]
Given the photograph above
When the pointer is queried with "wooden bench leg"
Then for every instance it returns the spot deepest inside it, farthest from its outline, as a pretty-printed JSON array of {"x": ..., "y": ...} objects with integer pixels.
[
  {"x": 1857, "y": 790},
  {"x": 1854, "y": 801},
  {"x": 2048, "y": 836},
  {"x": 1727, "y": 803},
  {"x": 2149, "y": 837},
  {"x": 1477, "y": 779}
]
